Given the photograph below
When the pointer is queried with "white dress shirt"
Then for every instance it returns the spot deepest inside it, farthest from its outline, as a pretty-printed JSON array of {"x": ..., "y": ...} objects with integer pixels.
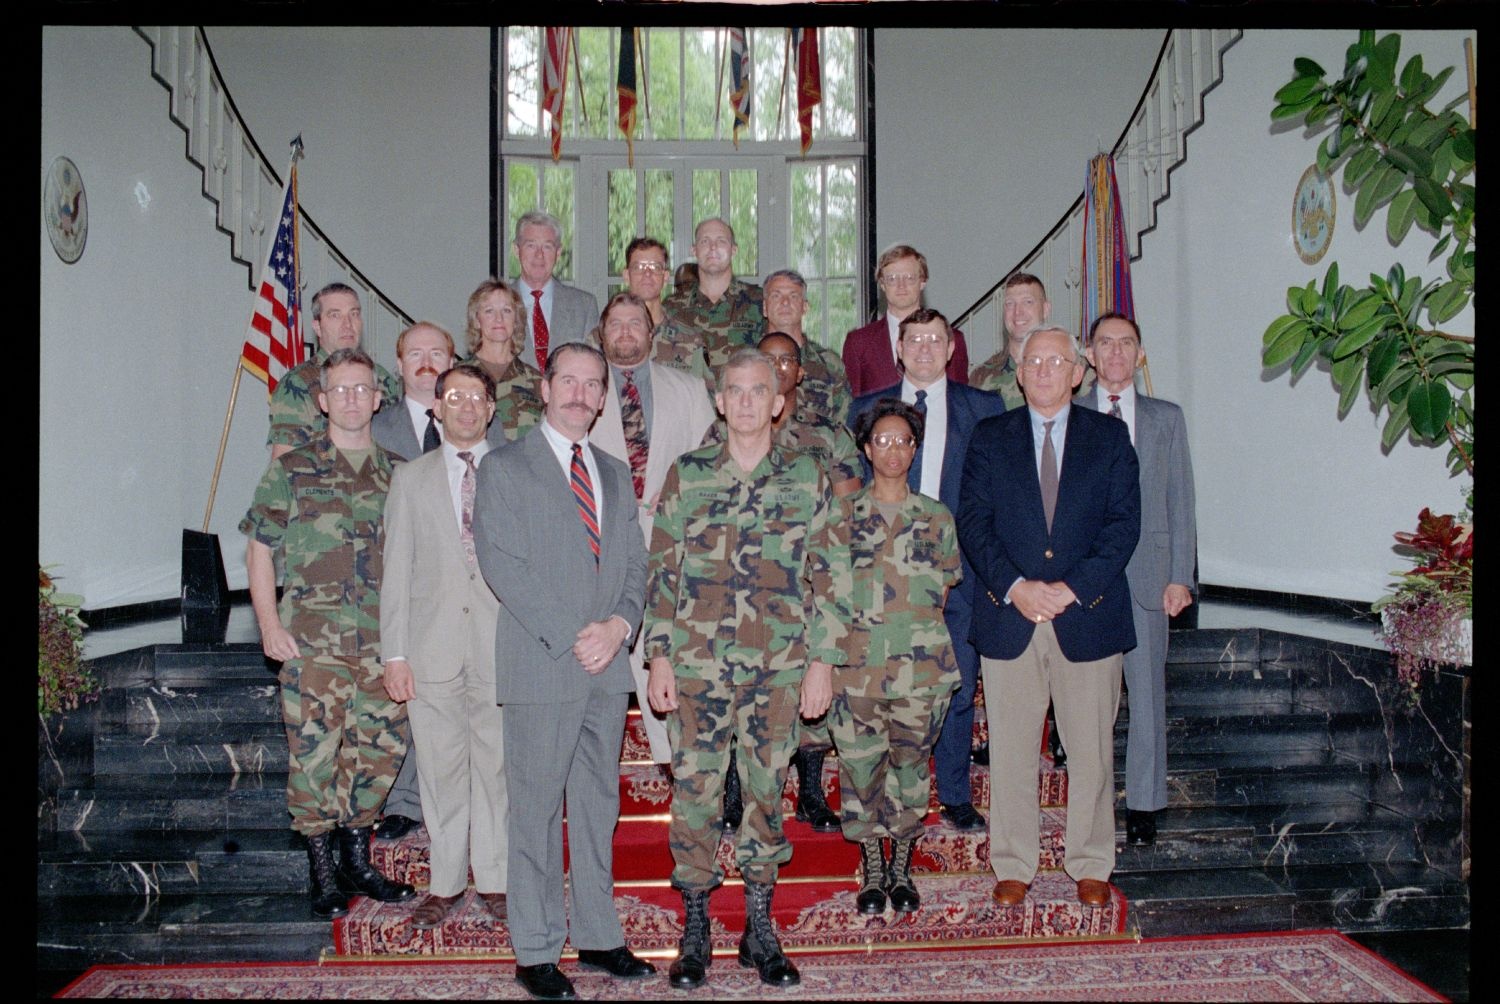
[
  {"x": 935, "y": 437},
  {"x": 562, "y": 448},
  {"x": 1126, "y": 403},
  {"x": 417, "y": 412},
  {"x": 455, "y": 468}
]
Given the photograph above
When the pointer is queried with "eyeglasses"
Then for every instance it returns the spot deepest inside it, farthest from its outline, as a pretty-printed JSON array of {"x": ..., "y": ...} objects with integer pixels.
[
  {"x": 359, "y": 390},
  {"x": 455, "y": 398},
  {"x": 784, "y": 362},
  {"x": 902, "y": 279},
  {"x": 648, "y": 267},
  {"x": 888, "y": 440},
  {"x": 924, "y": 338},
  {"x": 1050, "y": 362}
]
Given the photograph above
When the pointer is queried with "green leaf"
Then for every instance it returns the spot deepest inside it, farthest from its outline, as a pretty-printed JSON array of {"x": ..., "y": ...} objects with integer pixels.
[
  {"x": 1298, "y": 90},
  {"x": 1350, "y": 389},
  {"x": 1395, "y": 425},
  {"x": 1398, "y": 382},
  {"x": 1385, "y": 100},
  {"x": 1364, "y": 202},
  {"x": 1359, "y": 165},
  {"x": 1402, "y": 213},
  {"x": 1433, "y": 197},
  {"x": 1305, "y": 356},
  {"x": 1383, "y": 56},
  {"x": 1287, "y": 345},
  {"x": 1360, "y": 336},
  {"x": 1463, "y": 146},
  {"x": 1279, "y": 327},
  {"x": 1427, "y": 132},
  {"x": 1292, "y": 111},
  {"x": 1436, "y": 84},
  {"x": 1411, "y": 159},
  {"x": 1311, "y": 301},
  {"x": 1447, "y": 300},
  {"x": 1361, "y": 309},
  {"x": 1331, "y": 280},
  {"x": 1451, "y": 367},
  {"x": 1463, "y": 381},
  {"x": 1305, "y": 67},
  {"x": 1436, "y": 347},
  {"x": 1396, "y": 276},
  {"x": 1411, "y": 76},
  {"x": 1442, "y": 246},
  {"x": 1382, "y": 358},
  {"x": 1428, "y": 406},
  {"x": 1347, "y": 369}
]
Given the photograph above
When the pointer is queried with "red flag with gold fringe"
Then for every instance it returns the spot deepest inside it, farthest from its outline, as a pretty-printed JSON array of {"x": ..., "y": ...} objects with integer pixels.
[
  {"x": 809, "y": 80},
  {"x": 625, "y": 87}
]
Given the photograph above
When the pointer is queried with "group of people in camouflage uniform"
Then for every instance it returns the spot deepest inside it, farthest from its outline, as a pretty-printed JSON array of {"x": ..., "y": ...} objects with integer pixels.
[{"x": 795, "y": 590}]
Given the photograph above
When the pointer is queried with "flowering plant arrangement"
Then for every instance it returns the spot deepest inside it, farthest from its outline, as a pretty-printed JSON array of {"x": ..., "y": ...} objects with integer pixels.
[
  {"x": 62, "y": 679},
  {"x": 1427, "y": 620}
]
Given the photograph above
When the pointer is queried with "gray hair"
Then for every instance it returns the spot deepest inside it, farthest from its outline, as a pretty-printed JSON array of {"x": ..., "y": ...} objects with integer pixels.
[
  {"x": 786, "y": 273},
  {"x": 540, "y": 218},
  {"x": 564, "y": 349},
  {"x": 332, "y": 287},
  {"x": 1044, "y": 327},
  {"x": 355, "y": 355},
  {"x": 748, "y": 356}
]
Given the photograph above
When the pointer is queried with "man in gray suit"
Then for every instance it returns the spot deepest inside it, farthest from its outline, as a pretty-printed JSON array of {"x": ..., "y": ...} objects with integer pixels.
[
  {"x": 1160, "y": 572},
  {"x": 407, "y": 429},
  {"x": 652, "y": 415},
  {"x": 558, "y": 540},
  {"x": 556, "y": 312},
  {"x": 437, "y": 642}
]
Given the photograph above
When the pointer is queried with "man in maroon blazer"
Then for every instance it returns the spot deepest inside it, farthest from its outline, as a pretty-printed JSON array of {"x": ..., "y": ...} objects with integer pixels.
[{"x": 870, "y": 351}]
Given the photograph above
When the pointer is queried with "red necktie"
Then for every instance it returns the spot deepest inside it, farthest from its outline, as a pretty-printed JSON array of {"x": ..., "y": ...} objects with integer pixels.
[
  {"x": 1114, "y": 406},
  {"x": 583, "y": 493},
  {"x": 539, "y": 329}
]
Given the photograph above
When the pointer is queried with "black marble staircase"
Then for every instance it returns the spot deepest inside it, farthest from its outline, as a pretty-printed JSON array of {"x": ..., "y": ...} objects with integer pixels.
[{"x": 1300, "y": 798}]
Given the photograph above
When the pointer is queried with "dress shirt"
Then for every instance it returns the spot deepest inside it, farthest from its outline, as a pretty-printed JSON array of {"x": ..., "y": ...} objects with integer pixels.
[
  {"x": 893, "y": 326},
  {"x": 935, "y": 437},
  {"x": 417, "y": 412},
  {"x": 528, "y": 303},
  {"x": 455, "y": 468},
  {"x": 1059, "y": 434},
  {"x": 562, "y": 448},
  {"x": 1126, "y": 403}
]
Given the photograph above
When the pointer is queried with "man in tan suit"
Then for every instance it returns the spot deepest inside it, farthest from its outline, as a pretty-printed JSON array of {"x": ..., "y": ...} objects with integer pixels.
[
  {"x": 437, "y": 640},
  {"x": 667, "y": 412}
]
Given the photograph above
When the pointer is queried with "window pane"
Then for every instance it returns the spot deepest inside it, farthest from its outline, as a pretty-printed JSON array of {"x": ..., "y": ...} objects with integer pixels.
[
  {"x": 839, "y": 313},
  {"x": 705, "y": 195},
  {"x": 665, "y": 69},
  {"x": 702, "y": 76},
  {"x": 621, "y": 217},
  {"x": 839, "y": 78},
  {"x": 557, "y": 194},
  {"x": 596, "y": 96},
  {"x": 523, "y": 77},
  {"x": 659, "y": 222},
  {"x": 842, "y": 224},
  {"x": 806, "y": 220},
  {"x": 742, "y": 217},
  {"x": 768, "y": 47},
  {"x": 520, "y": 198},
  {"x": 812, "y": 324}
]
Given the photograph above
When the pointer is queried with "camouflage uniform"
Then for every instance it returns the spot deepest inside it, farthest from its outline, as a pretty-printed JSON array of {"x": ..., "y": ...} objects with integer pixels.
[
  {"x": 699, "y": 336},
  {"x": 889, "y": 701},
  {"x": 342, "y": 729},
  {"x": 518, "y": 399},
  {"x": 998, "y": 374},
  {"x": 296, "y": 419},
  {"x": 736, "y": 558},
  {"x": 825, "y": 384}
]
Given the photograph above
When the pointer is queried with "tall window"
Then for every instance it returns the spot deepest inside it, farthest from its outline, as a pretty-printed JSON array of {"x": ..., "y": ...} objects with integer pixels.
[{"x": 787, "y": 210}]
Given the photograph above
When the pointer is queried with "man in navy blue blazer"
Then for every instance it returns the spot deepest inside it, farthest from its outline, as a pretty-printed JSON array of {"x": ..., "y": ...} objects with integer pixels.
[
  {"x": 926, "y": 345},
  {"x": 1049, "y": 514}
]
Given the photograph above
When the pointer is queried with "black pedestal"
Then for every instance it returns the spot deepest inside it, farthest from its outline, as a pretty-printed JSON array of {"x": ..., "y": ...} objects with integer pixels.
[{"x": 205, "y": 590}]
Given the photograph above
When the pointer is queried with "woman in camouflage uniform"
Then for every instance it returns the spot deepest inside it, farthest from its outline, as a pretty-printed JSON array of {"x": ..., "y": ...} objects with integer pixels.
[
  {"x": 496, "y": 333},
  {"x": 890, "y": 700}
]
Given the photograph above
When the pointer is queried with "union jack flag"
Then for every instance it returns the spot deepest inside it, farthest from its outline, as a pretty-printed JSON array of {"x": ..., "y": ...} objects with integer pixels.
[{"x": 273, "y": 341}]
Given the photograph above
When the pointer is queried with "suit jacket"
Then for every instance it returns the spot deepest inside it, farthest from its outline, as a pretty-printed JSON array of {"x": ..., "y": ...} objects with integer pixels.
[
  {"x": 536, "y": 558},
  {"x": 431, "y": 601},
  {"x": 1002, "y": 529},
  {"x": 574, "y": 314},
  {"x": 870, "y": 364},
  {"x": 1169, "y": 525},
  {"x": 681, "y": 413},
  {"x": 393, "y": 430},
  {"x": 966, "y": 407}
]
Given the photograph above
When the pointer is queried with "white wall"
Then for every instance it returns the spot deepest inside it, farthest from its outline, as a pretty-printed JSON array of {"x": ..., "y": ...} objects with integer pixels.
[
  {"x": 1289, "y": 497},
  {"x": 983, "y": 137}
]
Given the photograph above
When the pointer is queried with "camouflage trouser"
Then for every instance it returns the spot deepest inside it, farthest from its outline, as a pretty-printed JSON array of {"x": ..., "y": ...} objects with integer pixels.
[
  {"x": 884, "y": 745},
  {"x": 813, "y": 734},
  {"x": 344, "y": 738},
  {"x": 709, "y": 716}
]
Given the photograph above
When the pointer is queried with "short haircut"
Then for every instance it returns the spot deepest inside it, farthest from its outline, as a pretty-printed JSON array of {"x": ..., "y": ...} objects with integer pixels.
[
  {"x": 1044, "y": 326},
  {"x": 624, "y": 296},
  {"x": 923, "y": 315},
  {"x": 469, "y": 370},
  {"x": 567, "y": 347},
  {"x": 713, "y": 219},
  {"x": 748, "y": 356},
  {"x": 786, "y": 273},
  {"x": 647, "y": 244},
  {"x": 355, "y": 355},
  {"x": 1114, "y": 315},
  {"x": 401, "y": 338},
  {"x": 864, "y": 425},
  {"x": 473, "y": 335},
  {"x": 686, "y": 274},
  {"x": 540, "y": 219},
  {"x": 796, "y": 349},
  {"x": 896, "y": 252},
  {"x": 332, "y": 287},
  {"x": 1024, "y": 279}
]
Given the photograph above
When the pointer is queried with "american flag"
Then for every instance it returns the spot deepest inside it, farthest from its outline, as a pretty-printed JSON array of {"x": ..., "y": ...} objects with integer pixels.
[
  {"x": 739, "y": 80},
  {"x": 273, "y": 342},
  {"x": 555, "y": 82},
  {"x": 625, "y": 87}
]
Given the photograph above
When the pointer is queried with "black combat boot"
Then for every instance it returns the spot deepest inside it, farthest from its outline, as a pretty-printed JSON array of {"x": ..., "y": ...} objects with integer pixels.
[
  {"x": 694, "y": 952},
  {"x": 898, "y": 884},
  {"x": 759, "y": 946},
  {"x": 327, "y": 900},
  {"x": 871, "y": 898},
  {"x": 734, "y": 803},
  {"x": 356, "y": 872},
  {"x": 812, "y": 808}
]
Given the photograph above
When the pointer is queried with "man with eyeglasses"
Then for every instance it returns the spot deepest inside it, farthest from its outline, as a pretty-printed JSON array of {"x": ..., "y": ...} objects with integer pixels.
[
  {"x": 646, "y": 271},
  {"x": 556, "y": 312},
  {"x": 321, "y": 505},
  {"x": 1049, "y": 514},
  {"x": 1025, "y": 305},
  {"x": 870, "y": 352},
  {"x": 437, "y": 642},
  {"x": 927, "y": 347},
  {"x": 825, "y": 385},
  {"x": 708, "y": 322},
  {"x": 338, "y": 323}
]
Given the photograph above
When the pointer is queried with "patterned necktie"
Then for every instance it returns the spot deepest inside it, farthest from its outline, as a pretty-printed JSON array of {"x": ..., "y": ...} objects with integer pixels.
[
  {"x": 583, "y": 494},
  {"x": 633, "y": 419},
  {"x": 539, "y": 329},
  {"x": 1048, "y": 474},
  {"x": 1114, "y": 406},
  {"x": 430, "y": 439},
  {"x": 914, "y": 472},
  {"x": 466, "y": 501}
]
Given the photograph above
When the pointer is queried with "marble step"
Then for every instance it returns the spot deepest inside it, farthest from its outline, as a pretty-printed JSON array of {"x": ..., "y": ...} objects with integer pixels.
[
  {"x": 75, "y": 932},
  {"x": 182, "y": 861},
  {"x": 187, "y": 665},
  {"x": 166, "y": 709},
  {"x": 147, "y": 804},
  {"x": 243, "y": 750}
]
